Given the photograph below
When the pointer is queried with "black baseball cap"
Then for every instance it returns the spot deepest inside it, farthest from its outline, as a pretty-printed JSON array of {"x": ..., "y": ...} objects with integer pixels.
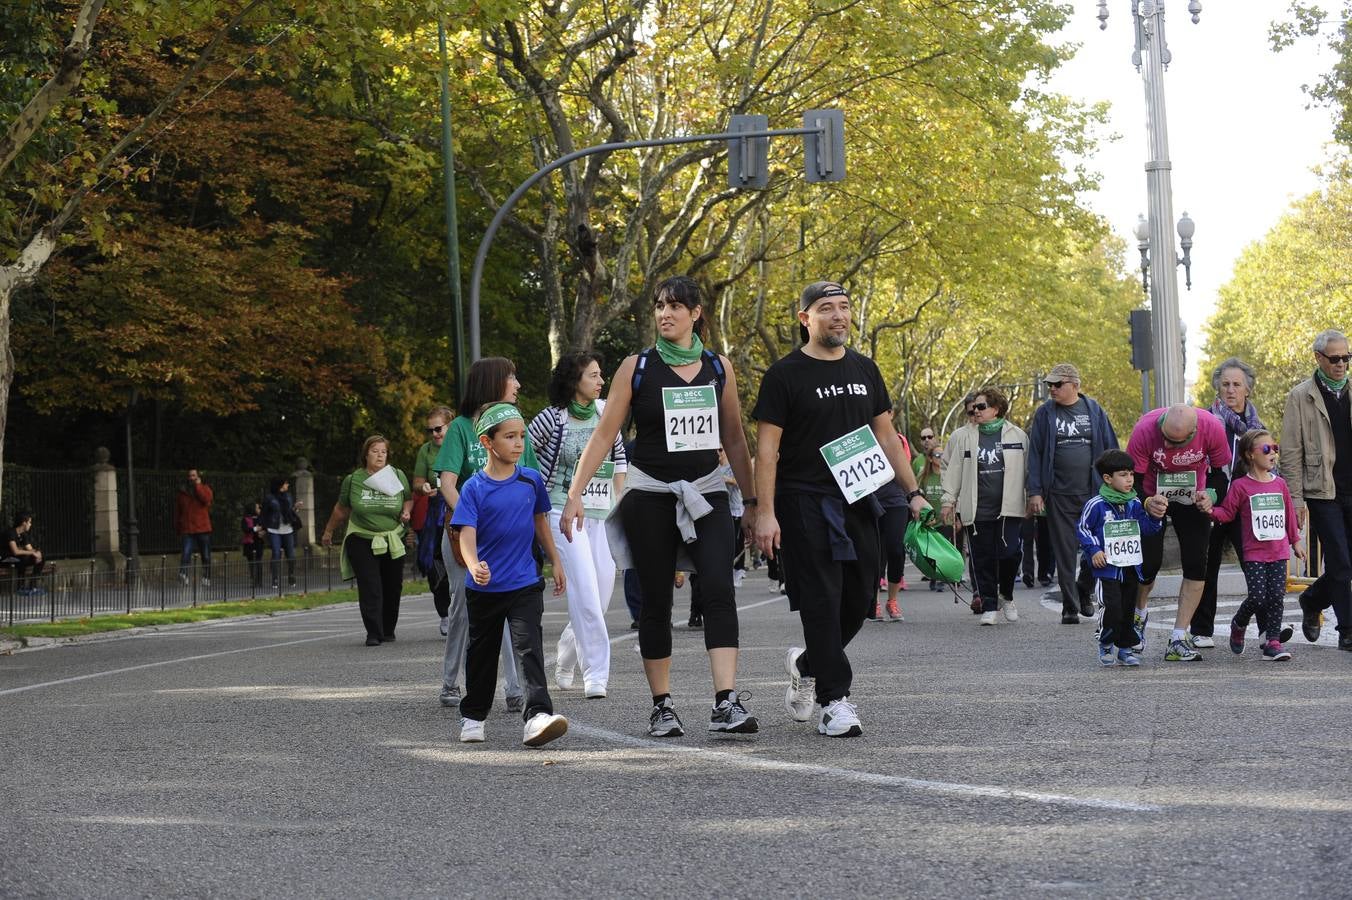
[{"x": 814, "y": 292}]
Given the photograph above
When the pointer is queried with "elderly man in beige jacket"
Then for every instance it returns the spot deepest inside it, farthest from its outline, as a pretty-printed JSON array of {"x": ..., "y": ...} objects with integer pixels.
[{"x": 1316, "y": 462}]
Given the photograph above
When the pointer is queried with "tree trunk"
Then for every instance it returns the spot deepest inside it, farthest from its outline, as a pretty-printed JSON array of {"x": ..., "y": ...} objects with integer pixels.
[{"x": 23, "y": 273}]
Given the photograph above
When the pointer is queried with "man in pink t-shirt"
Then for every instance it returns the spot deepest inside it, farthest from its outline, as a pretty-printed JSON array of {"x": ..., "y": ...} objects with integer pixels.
[{"x": 1172, "y": 450}]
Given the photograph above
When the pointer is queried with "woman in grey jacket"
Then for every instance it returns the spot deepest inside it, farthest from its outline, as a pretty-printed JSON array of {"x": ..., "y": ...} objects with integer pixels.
[{"x": 984, "y": 487}]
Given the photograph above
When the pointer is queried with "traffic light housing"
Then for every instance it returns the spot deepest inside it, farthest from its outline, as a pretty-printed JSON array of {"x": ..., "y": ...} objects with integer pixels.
[{"x": 1142, "y": 341}]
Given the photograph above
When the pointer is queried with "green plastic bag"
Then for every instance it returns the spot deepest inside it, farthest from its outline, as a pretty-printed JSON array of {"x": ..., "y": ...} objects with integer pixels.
[{"x": 932, "y": 553}]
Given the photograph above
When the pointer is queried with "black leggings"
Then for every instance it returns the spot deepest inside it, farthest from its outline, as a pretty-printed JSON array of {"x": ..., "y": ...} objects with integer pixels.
[
  {"x": 1193, "y": 528},
  {"x": 893, "y": 525},
  {"x": 380, "y": 584},
  {"x": 649, "y": 521}
]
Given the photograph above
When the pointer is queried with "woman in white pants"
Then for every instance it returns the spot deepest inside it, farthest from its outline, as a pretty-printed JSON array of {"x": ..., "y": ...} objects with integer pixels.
[{"x": 559, "y": 434}]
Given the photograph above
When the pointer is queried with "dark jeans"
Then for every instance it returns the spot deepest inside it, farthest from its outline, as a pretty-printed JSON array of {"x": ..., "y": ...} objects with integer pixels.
[
  {"x": 202, "y": 544},
  {"x": 833, "y": 597},
  {"x": 1332, "y": 523},
  {"x": 1119, "y": 609},
  {"x": 254, "y": 554},
  {"x": 649, "y": 521},
  {"x": 1037, "y": 549},
  {"x": 380, "y": 585},
  {"x": 1072, "y": 574},
  {"x": 439, "y": 584},
  {"x": 1204, "y": 620},
  {"x": 893, "y": 528},
  {"x": 995, "y": 559},
  {"x": 522, "y": 610},
  {"x": 283, "y": 543}
]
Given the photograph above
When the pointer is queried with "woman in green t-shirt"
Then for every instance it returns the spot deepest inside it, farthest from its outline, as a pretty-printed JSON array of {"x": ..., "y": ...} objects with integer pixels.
[
  {"x": 490, "y": 380},
  {"x": 929, "y": 474},
  {"x": 376, "y": 504}
]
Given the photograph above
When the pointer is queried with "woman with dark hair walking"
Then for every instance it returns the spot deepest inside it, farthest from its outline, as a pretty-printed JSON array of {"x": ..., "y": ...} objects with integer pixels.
[
  {"x": 674, "y": 512},
  {"x": 281, "y": 521},
  {"x": 490, "y": 380},
  {"x": 560, "y": 432}
]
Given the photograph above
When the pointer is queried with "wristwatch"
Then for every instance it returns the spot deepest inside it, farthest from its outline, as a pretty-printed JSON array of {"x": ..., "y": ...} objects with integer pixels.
[{"x": 913, "y": 494}]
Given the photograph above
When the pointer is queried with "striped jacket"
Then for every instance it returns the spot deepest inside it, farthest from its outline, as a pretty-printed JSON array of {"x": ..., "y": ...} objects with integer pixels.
[
  {"x": 546, "y": 433},
  {"x": 1090, "y": 531}
]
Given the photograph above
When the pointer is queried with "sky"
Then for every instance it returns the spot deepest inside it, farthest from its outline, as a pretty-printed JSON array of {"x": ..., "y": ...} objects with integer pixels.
[{"x": 1242, "y": 142}]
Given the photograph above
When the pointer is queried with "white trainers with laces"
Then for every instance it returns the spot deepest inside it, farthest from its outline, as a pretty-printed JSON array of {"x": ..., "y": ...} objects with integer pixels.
[
  {"x": 1204, "y": 641},
  {"x": 840, "y": 719},
  {"x": 800, "y": 695},
  {"x": 563, "y": 679},
  {"x": 471, "y": 731},
  {"x": 1009, "y": 609},
  {"x": 988, "y": 618},
  {"x": 542, "y": 728}
]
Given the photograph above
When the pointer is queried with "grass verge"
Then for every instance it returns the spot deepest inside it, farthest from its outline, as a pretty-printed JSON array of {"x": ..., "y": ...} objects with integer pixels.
[{"x": 98, "y": 624}]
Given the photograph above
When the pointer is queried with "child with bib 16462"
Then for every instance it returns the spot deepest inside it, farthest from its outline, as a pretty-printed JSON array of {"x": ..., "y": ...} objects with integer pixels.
[
  {"x": 1259, "y": 499},
  {"x": 1110, "y": 530}
]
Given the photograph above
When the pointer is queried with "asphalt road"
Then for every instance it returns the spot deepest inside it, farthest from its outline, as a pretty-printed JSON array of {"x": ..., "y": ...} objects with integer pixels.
[{"x": 279, "y": 756}]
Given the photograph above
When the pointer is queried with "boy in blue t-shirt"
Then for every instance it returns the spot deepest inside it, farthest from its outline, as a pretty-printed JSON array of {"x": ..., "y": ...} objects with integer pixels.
[
  {"x": 502, "y": 509},
  {"x": 1110, "y": 531}
]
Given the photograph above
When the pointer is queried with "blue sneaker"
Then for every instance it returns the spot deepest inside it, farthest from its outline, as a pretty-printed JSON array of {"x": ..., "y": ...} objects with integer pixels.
[
  {"x": 1126, "y": 658},
  {"x": 1107, "y": 655}
]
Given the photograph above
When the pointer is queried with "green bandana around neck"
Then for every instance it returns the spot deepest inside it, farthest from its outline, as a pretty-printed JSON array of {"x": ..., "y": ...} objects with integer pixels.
[
  {"x": 1112, "y": 495},
  {"x": 676, "y": 355},
  {"x": 992, "y": 427},
  {"x": 496, "y": 415},
  {"x": 1328, "y": 382},
  {"x": 583, "y": 411}
]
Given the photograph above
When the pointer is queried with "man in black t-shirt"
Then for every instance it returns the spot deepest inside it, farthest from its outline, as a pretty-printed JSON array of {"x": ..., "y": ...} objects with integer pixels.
[
  {"x": 825, "y": 402},
  {"x": 17, "y": 550}
]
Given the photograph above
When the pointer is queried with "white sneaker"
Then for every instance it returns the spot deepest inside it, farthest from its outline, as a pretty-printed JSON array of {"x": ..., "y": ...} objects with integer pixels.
[
  {"x": 445, "y": 626},
  {"x": 737, "y": 576},
  {"x": 988, "y": 618},
  {"x": 543, "y": 728},
  {"x": 595, "y": 691},
  {"x": 1203, "y": 640},
  {"x": 840, "y": 719},
  {"x": 800, "y": 695},
  {"x": 471, "y": 731},
  {"x": 563, "y": 679},
  {"x": 1009, "y": 609}
]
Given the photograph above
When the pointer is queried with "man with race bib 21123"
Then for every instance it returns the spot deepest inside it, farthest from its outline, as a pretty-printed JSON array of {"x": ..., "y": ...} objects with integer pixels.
[{"x": 824, "y": 443}]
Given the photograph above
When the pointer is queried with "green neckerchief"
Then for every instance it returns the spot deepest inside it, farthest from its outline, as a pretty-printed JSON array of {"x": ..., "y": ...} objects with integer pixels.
[
  {"x": 1328, "y": 382},
  {"x": 676, "y": 355},
  {"x": 1115, "y": 496},
  {"x": 992, "y": 427},
  {"x": 583, "y": 411}
]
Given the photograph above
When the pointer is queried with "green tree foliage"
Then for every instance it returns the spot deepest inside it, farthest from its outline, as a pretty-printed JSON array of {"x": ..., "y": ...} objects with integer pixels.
[
  {"x": 1286, "y": 289},
  {"x": 1332, "y": 26}
]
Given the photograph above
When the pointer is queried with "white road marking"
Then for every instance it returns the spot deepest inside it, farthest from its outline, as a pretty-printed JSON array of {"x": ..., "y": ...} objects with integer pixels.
[
  {"x": 853, "y": 775},
  {"x": 165, "y": 662}
]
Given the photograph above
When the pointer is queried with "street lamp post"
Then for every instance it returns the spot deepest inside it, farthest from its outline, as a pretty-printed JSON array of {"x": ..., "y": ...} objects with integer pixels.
[
  {"x": 1142, "y": 230},
  {"x": 1150, "y": 57}
]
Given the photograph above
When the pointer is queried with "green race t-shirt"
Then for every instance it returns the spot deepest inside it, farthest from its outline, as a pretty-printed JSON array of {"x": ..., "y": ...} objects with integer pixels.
[
  {"x": 424, "y": 465},
  {"x": 462, "y": 454},
  {"x": 372, "y": 510}
]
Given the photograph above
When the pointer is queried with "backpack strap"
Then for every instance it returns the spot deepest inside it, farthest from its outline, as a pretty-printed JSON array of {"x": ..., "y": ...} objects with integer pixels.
[
  {"x": 639, "y": 365},
  {"x": 720, "y": 374}
]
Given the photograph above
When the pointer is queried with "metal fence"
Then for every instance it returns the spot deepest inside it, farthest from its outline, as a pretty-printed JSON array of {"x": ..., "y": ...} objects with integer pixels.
[
  {"x": 232, "y": 493},
  {"x": 62, "y": 504},
  {"x": 73, "y": 589}
]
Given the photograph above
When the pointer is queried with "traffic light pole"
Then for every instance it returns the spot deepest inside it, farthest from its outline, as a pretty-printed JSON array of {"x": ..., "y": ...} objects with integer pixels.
[{"x": 822, "y": 164}]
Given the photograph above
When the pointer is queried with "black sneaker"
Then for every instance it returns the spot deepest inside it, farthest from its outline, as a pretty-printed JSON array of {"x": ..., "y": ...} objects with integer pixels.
[
  {"x": 1070, "y": 618},
  {"x": 731, "y": 717},
  {"x": 1311, "y": 618},
  {"x": 1345, "y": 641},
  {"x": 664, "y": 722},
  {"x": 696, "y": 621}
]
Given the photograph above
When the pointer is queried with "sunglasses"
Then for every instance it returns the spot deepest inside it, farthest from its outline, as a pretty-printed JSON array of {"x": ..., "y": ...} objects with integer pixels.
[
  {"x": 1336, "y": 360},
  {"x": 1053, "y": 385},
  {"x": 436, "y": 429},
  {"x": 978, "y": 407},
  {"x": 926, "y": 437},
  {"x": 1268, "y": 448}
]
